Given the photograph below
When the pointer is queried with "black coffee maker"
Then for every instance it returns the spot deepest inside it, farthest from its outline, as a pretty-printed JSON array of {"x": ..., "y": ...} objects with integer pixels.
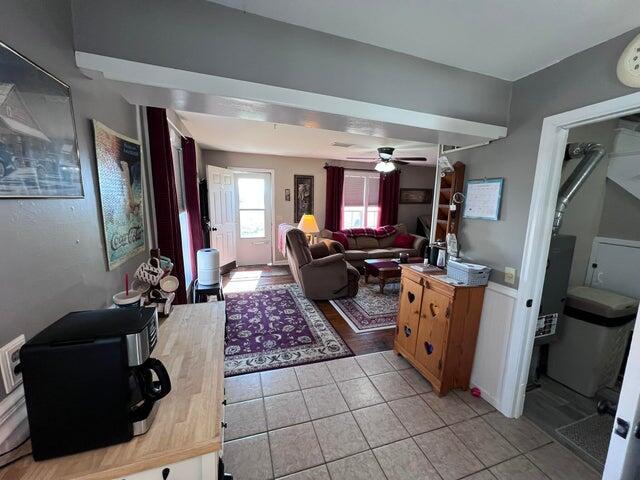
[{"x": 90, "y": 380}]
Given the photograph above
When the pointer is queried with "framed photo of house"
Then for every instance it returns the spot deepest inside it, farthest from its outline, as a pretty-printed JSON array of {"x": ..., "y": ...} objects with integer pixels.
[
  {"x": 119, "y": 162},
  {"x": 38, "y": 146},
  {"x": 303, "y": 191},
  {"x": 415, "y": 195}
]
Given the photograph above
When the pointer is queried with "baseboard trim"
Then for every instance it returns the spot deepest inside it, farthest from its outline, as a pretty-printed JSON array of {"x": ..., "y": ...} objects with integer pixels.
[
  {"x": 503, "y": 289},
  {"x": 14, "y": 428}
]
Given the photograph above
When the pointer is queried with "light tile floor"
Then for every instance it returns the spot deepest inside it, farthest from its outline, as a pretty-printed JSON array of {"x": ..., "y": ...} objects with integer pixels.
[{"x": 374, "y": 417}]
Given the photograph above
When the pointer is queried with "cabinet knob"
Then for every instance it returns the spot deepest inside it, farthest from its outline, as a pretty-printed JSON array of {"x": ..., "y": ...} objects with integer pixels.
[
  {"x": 428, "y": 347},
  {"x": 165, "y": 473},
  {"x": 223, "y": 424},
  {"x": 407, "y": 331},
  {"x": 411, "y": 297}
]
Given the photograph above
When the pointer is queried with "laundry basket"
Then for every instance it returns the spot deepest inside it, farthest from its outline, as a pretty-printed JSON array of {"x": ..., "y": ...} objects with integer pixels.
[{"x": 468, "y": 273}]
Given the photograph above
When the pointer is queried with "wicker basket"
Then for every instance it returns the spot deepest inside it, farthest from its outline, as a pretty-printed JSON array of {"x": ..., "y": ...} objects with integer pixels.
[{"x": 468, "y": 273}]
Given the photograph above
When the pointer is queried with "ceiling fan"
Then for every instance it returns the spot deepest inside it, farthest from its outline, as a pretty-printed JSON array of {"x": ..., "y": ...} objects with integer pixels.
[{"x": 386, "y": 162}]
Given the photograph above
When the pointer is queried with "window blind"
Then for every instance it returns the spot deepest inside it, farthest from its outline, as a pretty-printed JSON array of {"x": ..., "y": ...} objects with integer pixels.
[{"x": 353, "y": 191}]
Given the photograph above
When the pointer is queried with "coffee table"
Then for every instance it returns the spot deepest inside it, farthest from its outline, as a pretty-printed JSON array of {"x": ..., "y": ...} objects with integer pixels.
[{"x": 385, "y": 269}]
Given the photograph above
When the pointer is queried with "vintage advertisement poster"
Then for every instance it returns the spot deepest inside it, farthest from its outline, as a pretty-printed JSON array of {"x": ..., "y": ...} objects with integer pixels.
[{"x": 120, "y": 181}]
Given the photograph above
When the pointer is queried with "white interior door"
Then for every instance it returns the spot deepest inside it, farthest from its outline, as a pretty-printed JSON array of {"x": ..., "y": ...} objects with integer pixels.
[
  {"x": 222, "y": 212},
  {"x": 255, "y": 227},
  {"x": 623, "y": 459}
]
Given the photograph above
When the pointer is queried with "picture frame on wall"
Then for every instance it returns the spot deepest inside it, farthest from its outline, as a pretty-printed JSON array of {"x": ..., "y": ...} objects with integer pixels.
[
  {"x": 416, "y": 195},
  {"x": 303, "y": 192},
  {"x": 483, "y": 199},
  {"x": 38, "y": 140},
  {"x": 119, "y": 164}
]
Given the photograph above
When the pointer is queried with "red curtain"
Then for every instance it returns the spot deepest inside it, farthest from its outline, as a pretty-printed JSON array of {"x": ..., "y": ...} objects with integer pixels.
[
  {"x": 389, "y": 198},
  {"x": 333, "y": 212},
  {"x": 192, "y": 199},
  {"x": 165, "y": 196}
]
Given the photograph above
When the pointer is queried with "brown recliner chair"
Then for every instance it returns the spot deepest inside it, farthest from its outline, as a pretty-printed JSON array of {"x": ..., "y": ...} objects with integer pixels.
[{"x": 321, "y": 273}]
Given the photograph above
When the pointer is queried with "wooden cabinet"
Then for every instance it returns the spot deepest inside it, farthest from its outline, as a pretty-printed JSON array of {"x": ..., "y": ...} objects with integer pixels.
[{"x": 437, "y": 328}]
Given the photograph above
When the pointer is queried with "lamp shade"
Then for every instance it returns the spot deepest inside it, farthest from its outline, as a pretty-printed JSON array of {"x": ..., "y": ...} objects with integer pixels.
[{"x": 308, "y": 224}]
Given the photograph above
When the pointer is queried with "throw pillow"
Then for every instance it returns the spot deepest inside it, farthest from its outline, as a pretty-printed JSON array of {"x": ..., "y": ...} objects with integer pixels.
[
  {"x": 403, "y": 240},
  {"x": 341, "y": 238}
]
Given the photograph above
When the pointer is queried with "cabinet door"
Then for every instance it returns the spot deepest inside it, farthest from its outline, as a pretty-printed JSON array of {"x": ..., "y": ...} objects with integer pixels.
[
  {"x": 432, "y": 334},
  {"x": 409, "y": 315}
]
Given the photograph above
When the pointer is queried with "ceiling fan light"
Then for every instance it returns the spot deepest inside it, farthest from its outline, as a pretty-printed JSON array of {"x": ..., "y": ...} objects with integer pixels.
[{"x": 385, "y": 167}]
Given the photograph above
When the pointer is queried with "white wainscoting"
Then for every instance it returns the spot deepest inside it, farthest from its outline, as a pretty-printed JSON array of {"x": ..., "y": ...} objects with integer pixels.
[{"x": 491, "y": 349}]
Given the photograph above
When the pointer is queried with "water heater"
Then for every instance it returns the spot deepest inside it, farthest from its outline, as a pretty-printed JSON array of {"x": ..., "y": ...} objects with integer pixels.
[{"x": 208, "y": 266}]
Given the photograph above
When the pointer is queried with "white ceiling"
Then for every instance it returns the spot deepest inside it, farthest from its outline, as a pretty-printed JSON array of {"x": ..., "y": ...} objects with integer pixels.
[
  {"x": 507, "y": 39},
  {"x": 252, "y": 136}
]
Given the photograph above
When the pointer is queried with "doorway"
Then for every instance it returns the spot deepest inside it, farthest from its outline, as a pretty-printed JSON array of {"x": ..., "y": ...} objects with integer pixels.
[
  {"x": 254, "y": 233},
  {"x": 624, "y": 449}
]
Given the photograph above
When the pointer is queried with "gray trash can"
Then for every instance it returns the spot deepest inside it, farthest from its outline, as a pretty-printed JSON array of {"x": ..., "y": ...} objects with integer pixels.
[{"x": 593, "y": 338}]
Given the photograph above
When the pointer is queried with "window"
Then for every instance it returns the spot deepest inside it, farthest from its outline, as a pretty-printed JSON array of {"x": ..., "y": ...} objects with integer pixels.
[
  {"x": 252, "y": 208},
  {"x": 360, "y": 199}
]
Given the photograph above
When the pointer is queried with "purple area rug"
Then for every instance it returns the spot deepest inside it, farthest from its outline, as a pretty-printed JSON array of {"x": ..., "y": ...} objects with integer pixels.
[
  {"x": 370, "y": 310},
  {"x": 277, "y": 326}
]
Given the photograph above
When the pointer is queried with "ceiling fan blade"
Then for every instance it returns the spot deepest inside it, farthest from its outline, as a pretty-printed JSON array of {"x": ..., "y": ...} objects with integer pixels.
[
  {"x": 399, "y": 162},
  {"x": 363, "y": 158},
  {"x": 412, "y": 159}
]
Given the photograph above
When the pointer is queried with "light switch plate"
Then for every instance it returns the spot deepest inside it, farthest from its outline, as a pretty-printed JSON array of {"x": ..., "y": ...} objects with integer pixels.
[
  {"x": 9, "y": 360},
  {"x": 510, "y": 275}
]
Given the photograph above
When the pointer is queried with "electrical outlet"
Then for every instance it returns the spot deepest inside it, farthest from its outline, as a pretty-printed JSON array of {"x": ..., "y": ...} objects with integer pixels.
[
  {"x": 9, "y": 360},
  {"x": 510, "y": 275}
]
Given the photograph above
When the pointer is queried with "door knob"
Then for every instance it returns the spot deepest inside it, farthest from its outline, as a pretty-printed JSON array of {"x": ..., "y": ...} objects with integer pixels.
[
  {"x": 407, "y": 331},
  {"x": 428, "y": 347},
  {"x": 214, "y": 229}
]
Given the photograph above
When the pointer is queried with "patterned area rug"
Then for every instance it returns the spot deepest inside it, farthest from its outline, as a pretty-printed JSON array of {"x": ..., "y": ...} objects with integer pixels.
[
  {"x": 276, "y": 326},
  {"x": 370, "y": 310}
]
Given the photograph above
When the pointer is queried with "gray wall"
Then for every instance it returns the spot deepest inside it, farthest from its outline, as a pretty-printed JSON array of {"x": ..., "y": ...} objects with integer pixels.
[
  {"x": 583, "y": 79},
  {"x": 204, "y": 37},
  {"x": 620, "y": 214},
  {"x": 286, "y": 167},
  {"x": 582, "y": 217},
  {"x": 52, "y": 258}
]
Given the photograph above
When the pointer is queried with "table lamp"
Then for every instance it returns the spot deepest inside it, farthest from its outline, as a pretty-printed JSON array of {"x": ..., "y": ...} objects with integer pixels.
[{"x": 308, "y": 225}]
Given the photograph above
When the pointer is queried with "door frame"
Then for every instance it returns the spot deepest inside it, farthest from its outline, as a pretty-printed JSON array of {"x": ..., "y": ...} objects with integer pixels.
[
  {"x": 553, "y": 139},
  {"x": 272, "y": 174}
]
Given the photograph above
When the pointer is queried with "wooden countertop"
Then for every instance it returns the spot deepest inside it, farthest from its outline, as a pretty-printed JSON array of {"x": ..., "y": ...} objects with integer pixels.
[{"x": 188, "y": 421}]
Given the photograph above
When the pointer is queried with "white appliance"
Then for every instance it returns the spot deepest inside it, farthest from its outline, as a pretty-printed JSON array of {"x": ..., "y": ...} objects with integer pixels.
[{"x": 208, "y": 266}]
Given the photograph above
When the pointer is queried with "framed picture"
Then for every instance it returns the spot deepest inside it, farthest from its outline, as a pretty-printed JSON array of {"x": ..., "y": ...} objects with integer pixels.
[
  {"x": 38, "y": 145},
  {"x": 482, "y": 199},
  {"x": 120, "y": 181},
  {"x": 303, "y": 191},
  {"x": 416, "y": 195}
]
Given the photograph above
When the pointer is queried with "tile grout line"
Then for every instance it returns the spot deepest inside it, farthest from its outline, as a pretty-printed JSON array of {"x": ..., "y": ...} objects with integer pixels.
[{"x": 264, "y": 408}]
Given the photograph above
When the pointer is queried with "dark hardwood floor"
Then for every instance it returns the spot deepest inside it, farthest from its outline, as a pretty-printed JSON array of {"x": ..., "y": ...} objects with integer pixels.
[{"x": 246, "y": 278}]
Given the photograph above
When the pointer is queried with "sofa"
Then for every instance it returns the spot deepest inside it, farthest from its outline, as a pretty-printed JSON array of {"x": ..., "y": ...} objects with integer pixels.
[
  {"x": 321, "y": 271},
  {"x": 360, "y": 248}
]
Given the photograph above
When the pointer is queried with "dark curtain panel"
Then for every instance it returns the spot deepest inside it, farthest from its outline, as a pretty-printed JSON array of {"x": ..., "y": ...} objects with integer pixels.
[
  {"x": 335, "y": 184},
  {"x": 192, "y": 200},
  {"x": 389, "y": 198},
  {"x": 165, "y": 196}
]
